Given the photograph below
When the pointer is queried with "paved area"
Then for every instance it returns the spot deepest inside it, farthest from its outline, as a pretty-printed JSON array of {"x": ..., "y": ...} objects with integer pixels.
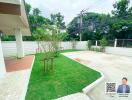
[
  {"x": 76, "y": 96},
  {"x": 13, "y": 85},
  {"x": 112, "y": 66},
  {"x": 14, "y": 64}
]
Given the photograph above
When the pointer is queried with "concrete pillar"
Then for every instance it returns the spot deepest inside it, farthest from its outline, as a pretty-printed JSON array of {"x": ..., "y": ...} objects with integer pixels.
[
  {"x": 2, "y": 63},
  {"x": 96, "y": 44},
  {"x": 115, "y": 43},
  {"x": 19, "y": 44}
]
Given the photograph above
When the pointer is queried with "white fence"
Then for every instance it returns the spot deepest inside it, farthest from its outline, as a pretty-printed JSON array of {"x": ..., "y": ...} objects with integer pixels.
[{"x": 9, "y": 48}]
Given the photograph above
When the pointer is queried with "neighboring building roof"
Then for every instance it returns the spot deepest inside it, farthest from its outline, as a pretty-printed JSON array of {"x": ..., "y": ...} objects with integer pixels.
[{"x": 13, "y": 16}]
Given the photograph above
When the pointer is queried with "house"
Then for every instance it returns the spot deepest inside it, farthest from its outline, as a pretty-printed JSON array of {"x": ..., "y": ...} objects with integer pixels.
[{"x": 13, "y": 21}]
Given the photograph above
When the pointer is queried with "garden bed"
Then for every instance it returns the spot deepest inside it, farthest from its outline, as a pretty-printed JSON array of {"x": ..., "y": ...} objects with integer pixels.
[{"x": 68, "y": 77}]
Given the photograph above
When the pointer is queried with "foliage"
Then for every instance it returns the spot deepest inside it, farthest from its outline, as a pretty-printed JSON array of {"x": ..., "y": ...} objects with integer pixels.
[
  {"x": 58, "y": 20},
  {"x": 89, "y": 44},
  {"x": 8, "y": 38},
  {"x": 68, "y": 77},
  {"x": 97, "y": 49},
  {"x": 28, "y": 9},
  {"x": 63, "y": 36},
  {"x": 49, "y": 33},
  {"x": 96, "y": 26},
  {"x": 36, "y": 12},
  {"x": 122, "y": 8},
  {"x": 36, "y": 21},
  {"x": 103, "y": 43}
]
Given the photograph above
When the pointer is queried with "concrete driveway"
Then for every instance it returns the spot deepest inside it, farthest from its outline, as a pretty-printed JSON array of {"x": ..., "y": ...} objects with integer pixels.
[{"x": 112, "y": 66}]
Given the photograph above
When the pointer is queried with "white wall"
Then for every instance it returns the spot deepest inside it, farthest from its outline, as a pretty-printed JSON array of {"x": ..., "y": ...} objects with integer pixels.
[
  {"x": 66, "y": 45},
  {"x": 30, "y": 47},
  {"x": 119, "y": 51},
  {"x": 82, "y": 45},
  {"x": 9, "y": 48}
]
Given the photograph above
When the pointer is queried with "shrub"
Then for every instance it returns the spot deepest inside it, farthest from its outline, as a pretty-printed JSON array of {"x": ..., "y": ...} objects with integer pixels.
[
  {"x": 103, "y": 44},
  {"x": 89, "y": 44}
]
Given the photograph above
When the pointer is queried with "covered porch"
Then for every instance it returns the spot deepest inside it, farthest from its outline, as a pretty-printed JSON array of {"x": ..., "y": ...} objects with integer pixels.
[
  {"x": 13, "y": 21},
  {"x": 14, "y": 71}
]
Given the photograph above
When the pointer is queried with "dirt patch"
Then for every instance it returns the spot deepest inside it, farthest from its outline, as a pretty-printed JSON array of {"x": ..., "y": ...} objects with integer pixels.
[
  {"x": 81, "y": 60},
  {"x": 78, "y": 59}
]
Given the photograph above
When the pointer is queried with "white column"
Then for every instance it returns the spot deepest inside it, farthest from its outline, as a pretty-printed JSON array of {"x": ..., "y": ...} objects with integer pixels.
[
  {"x": 115, "y": 44},
  {"x": 19, "y": 44},
  {"x": 2, "y": 63},
  {"x": 96, "y": 44}
]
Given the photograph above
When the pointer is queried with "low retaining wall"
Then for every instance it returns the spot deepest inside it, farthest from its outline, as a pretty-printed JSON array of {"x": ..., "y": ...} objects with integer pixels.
[{"x": 119, "y": 51}]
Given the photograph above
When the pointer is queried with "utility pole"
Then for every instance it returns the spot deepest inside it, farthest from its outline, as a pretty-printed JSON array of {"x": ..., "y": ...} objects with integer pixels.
[{"x": 81, "y": 22}]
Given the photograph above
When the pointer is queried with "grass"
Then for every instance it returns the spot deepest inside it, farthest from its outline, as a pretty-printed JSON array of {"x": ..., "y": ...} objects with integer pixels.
[
  {"x": 68, "y": 77},
  {"x": 70, "y": 50}
]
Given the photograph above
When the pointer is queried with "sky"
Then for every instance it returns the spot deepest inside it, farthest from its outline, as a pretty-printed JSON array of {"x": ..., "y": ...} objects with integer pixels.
[{"x": 70, "y": 8}]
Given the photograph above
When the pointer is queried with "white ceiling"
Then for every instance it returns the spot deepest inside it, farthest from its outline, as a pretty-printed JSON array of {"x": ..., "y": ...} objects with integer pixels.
[{"x": 8, "y": 24}]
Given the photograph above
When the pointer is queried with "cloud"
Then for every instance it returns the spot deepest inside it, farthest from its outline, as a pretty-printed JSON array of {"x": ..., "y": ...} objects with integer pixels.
[{"x": 70, "y": 8}]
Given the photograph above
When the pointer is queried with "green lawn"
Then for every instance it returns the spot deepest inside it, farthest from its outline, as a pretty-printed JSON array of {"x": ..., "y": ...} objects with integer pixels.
[{"x": 68, "y": 77}]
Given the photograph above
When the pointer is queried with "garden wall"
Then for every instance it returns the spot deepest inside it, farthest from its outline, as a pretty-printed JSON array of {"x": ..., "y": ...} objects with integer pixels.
[
  {"x": 9, "y": 48},
  {"x": 119, "y": 51}
]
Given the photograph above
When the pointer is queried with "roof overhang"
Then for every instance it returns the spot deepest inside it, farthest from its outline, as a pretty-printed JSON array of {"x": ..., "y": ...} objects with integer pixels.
[{"x": 13, "y": 16}]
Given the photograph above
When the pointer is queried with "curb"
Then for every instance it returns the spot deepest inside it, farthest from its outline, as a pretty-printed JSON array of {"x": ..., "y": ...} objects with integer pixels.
[
  {"x": 28, "y": 78},
  {"x": 94, "y": 84}
]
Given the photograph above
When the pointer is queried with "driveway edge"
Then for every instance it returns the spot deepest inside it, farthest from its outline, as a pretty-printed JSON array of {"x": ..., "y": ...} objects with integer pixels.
[
  {"x": 94, "y": 84},
  {"x": 28, "y": 78}
]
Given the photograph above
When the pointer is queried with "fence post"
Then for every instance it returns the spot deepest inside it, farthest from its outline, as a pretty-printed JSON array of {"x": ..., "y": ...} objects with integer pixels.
[
  {"x": 96, "y": 44},
  {"x": 87, "y": 42},
  {"x": 115, "y": 44}
]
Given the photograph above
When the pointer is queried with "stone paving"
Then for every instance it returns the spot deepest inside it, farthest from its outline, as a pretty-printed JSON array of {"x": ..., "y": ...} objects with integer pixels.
[
  {"x": 13, "y": 85},
  {"x": 113, "y": 67},
  {"x": 14, "y": 64}
]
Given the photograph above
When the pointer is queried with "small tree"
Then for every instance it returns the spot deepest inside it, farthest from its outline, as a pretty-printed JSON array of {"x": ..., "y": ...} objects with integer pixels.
[
  {"x": 89, "y": 44},
  {"x": 103, "y": 44},
  {"x": 49, "y": 38},
  {"x": 38, "y": 36}
]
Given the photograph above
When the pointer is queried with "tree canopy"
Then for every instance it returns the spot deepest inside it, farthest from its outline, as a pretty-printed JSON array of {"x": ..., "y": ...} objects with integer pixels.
[
  {"x": 58, "y": 20},
  {"x": 97, "y": 26}
]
